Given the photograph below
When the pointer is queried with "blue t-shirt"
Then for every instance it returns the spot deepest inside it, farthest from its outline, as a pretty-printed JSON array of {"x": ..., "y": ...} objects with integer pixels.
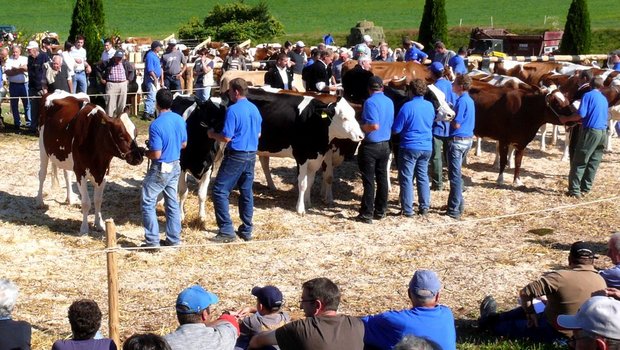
[
  {"x": 465, "y": 116},
  {"x": 242, "y": 125},
  {"x": 378, "y": 109},
  {"x": 167, "y": 134},
  {"x": 151, "y": 64},
  {"x": 414, "y": 54},
  {"x": 612, "y": 276},
  {"x": 593, "y": 110},
  {"x": 617, "y": 67},
  {"x": 414, "y": 122},
  {"x": 385, "y": 330},
  {"x": 458, "y": 65},
  {"x": 441, "y": 128}
]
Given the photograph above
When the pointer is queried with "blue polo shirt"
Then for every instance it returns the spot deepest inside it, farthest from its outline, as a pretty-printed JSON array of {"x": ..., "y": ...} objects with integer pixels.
[
  {"x": 385, "y": 330},
  {"x": 458, "y": 65},
  {"x": 414, "y": 122},
  {"x": 378, "y": 109},
  {"x": 152, "y": 63},
  {"x": 441, "y": 128},
  {"x": 465, "y": 116},
  {"x": 617, "y": 67},
  {"x": 166, "y": 134},
  {"x": 593, "y": 110},
  {"x": 414, "y": 54},
  {"x": 243, "y": 126}
]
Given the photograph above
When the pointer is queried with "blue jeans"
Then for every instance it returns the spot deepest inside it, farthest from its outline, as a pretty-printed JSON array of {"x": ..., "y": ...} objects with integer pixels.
[
  {"x": 19, "y": 90},
  {"x": 156, "y": 182},
  {"x": 413, "y": 163},
  {"x": 513, "y": 324},
  {"x": 149, "y": 99},
  {"x": 173, "y": 83},
  {"x": 237, "y": 169},
  {"x": 79, "y": 82},
  {"x": 456, "y": 151},
  {"x": 201, "y": 92}
]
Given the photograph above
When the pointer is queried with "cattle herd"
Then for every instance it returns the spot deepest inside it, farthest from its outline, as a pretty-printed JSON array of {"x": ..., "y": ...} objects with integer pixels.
[{"x": 319, "y": 131}]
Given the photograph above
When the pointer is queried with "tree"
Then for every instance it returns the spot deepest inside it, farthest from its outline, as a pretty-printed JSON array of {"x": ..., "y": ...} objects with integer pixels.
[
  {"x": 577, "y": 39},
  {"x": 89, "y": 21},
  {"x": 434, "y": 25}
]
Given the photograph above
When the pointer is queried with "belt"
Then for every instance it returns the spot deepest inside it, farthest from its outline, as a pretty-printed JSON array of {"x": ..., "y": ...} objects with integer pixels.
[
  {"x": 232, "y": 151},
  {"x": 373, "y": 143},
  {"x": 79, "y": 71},
  {"x": 458, "y": 138},
  {"x": 120, "y": 81}
]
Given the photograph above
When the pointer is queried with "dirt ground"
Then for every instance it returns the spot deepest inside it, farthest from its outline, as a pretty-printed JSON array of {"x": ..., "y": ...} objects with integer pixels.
[{"x": 496, "y": 248}]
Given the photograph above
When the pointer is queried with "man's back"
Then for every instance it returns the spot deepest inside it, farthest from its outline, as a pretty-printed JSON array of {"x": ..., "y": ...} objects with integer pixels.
[
  {"x": 322, "y": 333},
  {"x": 197, "y": 336},
  {"x": 14, "y": 335}
]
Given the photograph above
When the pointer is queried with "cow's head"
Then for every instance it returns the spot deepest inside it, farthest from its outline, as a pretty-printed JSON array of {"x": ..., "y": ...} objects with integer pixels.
[
  {"x": 559, "y": 106},
  {"x": 343, "y": 124}
]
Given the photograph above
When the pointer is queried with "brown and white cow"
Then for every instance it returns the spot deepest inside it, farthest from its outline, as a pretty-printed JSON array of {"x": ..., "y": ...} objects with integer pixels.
[
  {"x": 395, "y": 70},
  {"x": 79, "y": 137}
]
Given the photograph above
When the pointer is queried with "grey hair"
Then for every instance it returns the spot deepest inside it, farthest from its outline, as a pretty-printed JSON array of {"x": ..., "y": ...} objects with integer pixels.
[
  {"x": 616, "y": 239},
  {"x": 411, "y": 342},
  {"x": 8, "y": 297}
]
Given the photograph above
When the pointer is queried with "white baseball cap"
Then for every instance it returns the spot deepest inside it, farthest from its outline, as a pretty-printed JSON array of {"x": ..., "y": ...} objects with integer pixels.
[
  {"x": 367, "y": 38},
  {"x": 599, "y": 315},
  {"x": 300, "y": 44},
  {"x": 172, "y": 41},
  {"x": 32, "y": 45}
]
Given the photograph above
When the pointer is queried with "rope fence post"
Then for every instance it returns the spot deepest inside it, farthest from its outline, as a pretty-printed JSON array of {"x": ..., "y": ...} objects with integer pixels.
[{"x": 113, "y": 318}]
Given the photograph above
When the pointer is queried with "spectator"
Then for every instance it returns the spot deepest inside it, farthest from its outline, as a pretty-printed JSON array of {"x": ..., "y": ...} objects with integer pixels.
[
  {"x": 614, "y": 60},
  {"x": 14, "y": 335},
  {"x": 241, "y": 131},
  {"x": 363, "y": 48},
  {"x": 85, "y": 319},
  {"x": 46, "y": 47},
  {"x": 612, "y": 275},
  {"x": 167, "y": 136},
  {"x": 575, "y": 131},
  {"x": 196, "y": 330},
  {"x": 147, "y": 341},
  {"x": 411, "y": 342},
  {"x": 344, "y": 55},
  {"x": 57, "y": 76},
  {"x": 413, "y": 51},
  {"x": 108, "y": 51},
  {"x": 355, "y": 81},
  {"x": 280, "y": 76},
  {"x": 457, "y": 63},
  {"x": 461, "y": 134},
  {"x": 384, "y": 54},
  {"x": 235, "y": 60},
  {"x": 441, "y": 54},
  {"x": 565, "y": 291},
  {"x": 374, "y": 152},
  {"x": 314, "y": 56},
  {"x": 267, "y": 315},
  {"x": 4, "y": 53},
  {"x": 298, "y": 57},
  {"x": 174, "y": 64},
  {"x": 68, "y": 59},
  {"x": 36, "y": 61},
  {"x": 328, "y": 39},
  {"x": 81, "y": 65},
  {"x": 596, "y": 325},
  {"x": 118, "y": 72},
  {"x": 287, "y": 47},
  {"x": 322, "y": 329},
  {"x": 414, "y": 124},
  {"x": 203, "y": 71},
  {"x": 16, "y": 70},
  {"x": 153, "y": 79},
  {"x": 427, "y": 318},
  {"x": 319, "y": 73},
  {"x": 321, "y": 46},
  {"x": 441, "y": 129}
]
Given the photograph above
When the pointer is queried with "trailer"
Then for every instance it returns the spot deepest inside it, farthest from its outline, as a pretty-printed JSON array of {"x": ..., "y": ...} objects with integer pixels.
[{"x": 485, "y": 41}]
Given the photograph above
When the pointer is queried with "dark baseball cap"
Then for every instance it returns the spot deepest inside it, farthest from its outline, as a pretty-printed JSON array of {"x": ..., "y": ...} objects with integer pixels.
[
  {"x": 269, "y": 296},
  {"x": 581, "y": 249},
  {"x": 375, "y": 83}
]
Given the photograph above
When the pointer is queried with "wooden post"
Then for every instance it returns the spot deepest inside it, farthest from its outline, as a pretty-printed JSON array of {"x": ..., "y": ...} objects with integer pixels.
[{"x": 113, "y": 322}]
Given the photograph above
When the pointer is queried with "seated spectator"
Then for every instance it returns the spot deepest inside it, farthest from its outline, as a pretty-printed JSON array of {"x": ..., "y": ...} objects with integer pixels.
[
  {"x": 148, "y": 341},
  {"x": 411, "y": 342},
  {"x": 14, "y": 335},
  {"x": 612, "y": 275},
  {"x": 265, "y": 316},
  {"x": 565, "y": 291},
  {"x": 596, "y": 325},
  {"x": 427, "y": 318},
  {"x": 322, "y": 329},
  {"x": 196, "y": 330},
  {"x": 85, "y": 319},
  {"x": 457, "y": 63}
]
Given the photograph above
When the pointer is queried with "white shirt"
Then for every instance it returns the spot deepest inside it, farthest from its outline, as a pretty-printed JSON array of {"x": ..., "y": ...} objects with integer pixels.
[
  {"x": 16, "y": 63},
  {"x": 284, "y": 77},
  {"x": 106, "y": 55},
  {"x": 79, "y": 54},
  {"x": 69, "y": 61}
]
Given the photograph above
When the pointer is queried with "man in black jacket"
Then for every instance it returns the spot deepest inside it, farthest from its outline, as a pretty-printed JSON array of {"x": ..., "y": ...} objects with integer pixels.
[
  {"x": 280, "y": 76},
  {"x": 318, "y": 75}
]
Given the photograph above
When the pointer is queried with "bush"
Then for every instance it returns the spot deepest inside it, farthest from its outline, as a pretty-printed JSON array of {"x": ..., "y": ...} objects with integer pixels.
[{"x": 193, "y": 29}]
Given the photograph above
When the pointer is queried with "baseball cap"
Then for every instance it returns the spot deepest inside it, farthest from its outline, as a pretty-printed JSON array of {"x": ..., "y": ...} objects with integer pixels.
[
  {"x": 599, "y": 315},
  {"x": 367, "y": 37},
  {"x": 155, "y": 44},
  {"x": 32, "y": 45},
  {"x": 268, "y": 296},
  {"x": 375, "y": 83},
  {"x": 119, "y": 54},
  {"x": 424, "y": 284},
  {"x": 300, "y": 44},
  {"x": 172, "y": 41},
  {"x": 436, "y": 67},
  {"x": 581, "y": 250},
  {"x": 194, "y": 299}
]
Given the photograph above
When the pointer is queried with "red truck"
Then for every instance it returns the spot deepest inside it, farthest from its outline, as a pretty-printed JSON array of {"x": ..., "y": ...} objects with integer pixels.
[{"x": 483, "y": 41}]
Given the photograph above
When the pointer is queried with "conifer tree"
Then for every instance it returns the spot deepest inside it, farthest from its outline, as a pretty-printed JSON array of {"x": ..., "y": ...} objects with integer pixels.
[
  {"x": 434, "y": 24},
  {"x": 89, "y": 20},
  {"x": 576, "y": 39}
]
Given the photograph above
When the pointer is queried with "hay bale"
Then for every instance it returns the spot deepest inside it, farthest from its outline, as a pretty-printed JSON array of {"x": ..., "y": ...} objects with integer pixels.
[{"x": 362, "y": 28}]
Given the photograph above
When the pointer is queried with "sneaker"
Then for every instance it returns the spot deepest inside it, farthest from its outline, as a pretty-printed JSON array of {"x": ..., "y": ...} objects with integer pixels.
[
  {"x": 245, "y": 238},
  {"x": 574, "y": 195},
  {"x": 167, "y": 243},
  {"x": 363, "y": 219},
  {"x": 222, "y": 238},
  {"x": 149, "y": 247},
  {"x": 423, "y": 212},
  {"x": 488, "y": 308},
  {"x": 455, "y": 216}
]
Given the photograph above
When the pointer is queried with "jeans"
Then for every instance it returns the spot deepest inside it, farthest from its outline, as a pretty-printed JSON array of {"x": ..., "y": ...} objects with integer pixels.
[
  {"x": 513, "y": 324},
  {"x": 79, "y": 82},
  {"x": 156, "y": 182},
  {"x": 456, "y": 151},
  {"x": 19, "y": 90},
  {"x": 586, "y": 159},
  {"x": 237, "y": 169},
  {"x": 35, "y": 107},
  {"x": 173, "y": 83},
  {"x": 149, "y": 99},
  {"x": 201, "y": 92},
  {"x": 440, "y": 148},
  {"x": 372, "y": 160},
  {"x": 413, "y": 163}
]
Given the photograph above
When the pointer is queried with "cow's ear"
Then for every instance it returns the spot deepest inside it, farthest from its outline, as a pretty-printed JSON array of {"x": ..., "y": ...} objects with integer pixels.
[{"x": 513, "y": 101}]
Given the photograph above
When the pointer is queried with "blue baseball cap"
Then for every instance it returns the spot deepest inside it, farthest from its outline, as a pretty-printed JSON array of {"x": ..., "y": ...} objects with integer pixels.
[
  {"x": 424, "y": 284},
  {"x": 194, "y": 299},
  {"x": 269, "y": 296},
  {"x": 436, "y": 67}
]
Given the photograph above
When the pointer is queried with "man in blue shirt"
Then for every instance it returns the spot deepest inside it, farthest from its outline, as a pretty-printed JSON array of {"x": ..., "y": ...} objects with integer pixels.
[
  {"x": 612, "y": 274},
  {"x": 153, "y": 79},
  {"x": 412, "y": 53},
  {"x": 414, "y": 124},
  {"x": 461, "y": 135},
  {"x": 458, "y": 62},
  {"x": 592, "y": 139},
  {"x": 374, "y": 152},
  {"x": 167, "y": 136},
  {"x": 614, "y": 60},
  {"x": 242, "y": 129},
  {"x": 441, "y": 129},
  {"x": 427, "y": 318}
]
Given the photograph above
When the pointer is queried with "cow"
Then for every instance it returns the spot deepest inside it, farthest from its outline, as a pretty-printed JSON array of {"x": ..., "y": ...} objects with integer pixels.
[
  {"x": 395, "y": 70},
  {"x": 81, "y": 138},
  {"x": 513, "y": 116}
]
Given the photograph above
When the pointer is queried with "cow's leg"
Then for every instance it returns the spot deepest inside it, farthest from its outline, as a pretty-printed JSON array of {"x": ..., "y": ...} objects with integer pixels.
[
  {"x": 503, "y": 159},
  {"x": 611, "y": 127},
  {"x": 567, "y": 138},
  {"x": 99, "y": 224},
  {"x": 264, "y": 163},
  {"x": 389, "y": 167},
  {"x": 328, "y": 179},
  {"x": 182, "y": 191},
  {"x": 313, "y": 166},
  {"x": 55, "y": 182},
  {"x": 555, "y": 134},
  {"x": 478, "y": 146},
  {"x": 543, "y": 137},
  {"x": 302, "y": 185},
  {"x": 518, "y": 159},
  {"x": 511, "y": 156},
  {"x": 82, "y": 183},
  {"x": 43, "y": 161},
  {"x": 71, "y": 197},
  {"x": 496, "y": 161},
  {"x": 203, "y": 186}
]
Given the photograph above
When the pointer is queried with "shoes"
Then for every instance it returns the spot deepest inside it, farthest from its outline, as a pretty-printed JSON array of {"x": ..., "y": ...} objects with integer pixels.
[
  {"x": 222, "y": 238},
  {"x": 378, "y": 216},
  {"x": 437, "y": 188},
  {"x": 407, "y": 215},
  {"x": 423, "y": 212},
  {"x": 151, "y": 248},
  {"x": 574, "y": 195},
  {"x": 488, "y": 308},
  {"x": 455, "y": 216},
  {"x": 245, "y": 238},
  {"x": 363, "y": 219},
  {"x": 167, "y": 243},
  {"x": 147, "y": 116}
]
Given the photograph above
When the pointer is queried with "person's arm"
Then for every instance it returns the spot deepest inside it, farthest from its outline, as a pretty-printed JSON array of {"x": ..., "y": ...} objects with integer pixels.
[
  {"x": 183, "y": 67},
  {"x": 217, "y": 136},
  {"x": 263, "y": 339},
  {"x": 613, "y": 292}
]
